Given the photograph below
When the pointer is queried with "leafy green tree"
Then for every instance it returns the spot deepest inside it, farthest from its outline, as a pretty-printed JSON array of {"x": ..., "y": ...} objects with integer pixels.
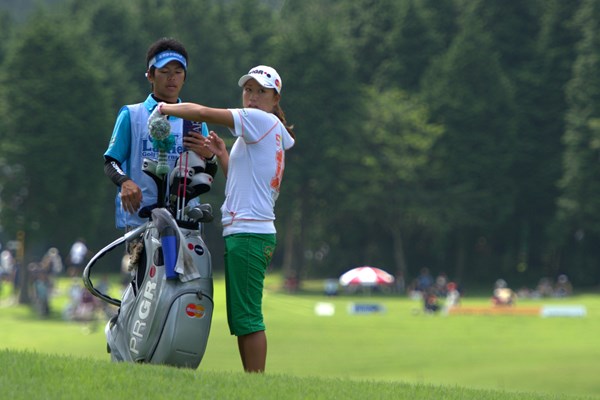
[
  {"x": 487, "y": 70},
  {"x": 442, "y": 18},
  {"x": 541, "y": 149},
  {"x": 253, "y": 43},
  {"x": 409, "y": 48},
  {"x": 116, "y": 27},
  {"x": 321, "y": 99},
  {"x": 393, "y": 42},
  {"x": 469, "y": 93},
  {"x": 56, "y": 119},
  {"x": 395, "y": 151},
  {"x": 579, "y": 203},
  {"x": 516, "y": 31},
  {"x": 512, "y": 25},
  {"x": 6, "y": 26},
  {"x": 367, "y": 25}
]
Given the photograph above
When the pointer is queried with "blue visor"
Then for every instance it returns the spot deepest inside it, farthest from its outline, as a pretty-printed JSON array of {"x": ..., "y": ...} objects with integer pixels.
[{"x": 162, "y": 59}]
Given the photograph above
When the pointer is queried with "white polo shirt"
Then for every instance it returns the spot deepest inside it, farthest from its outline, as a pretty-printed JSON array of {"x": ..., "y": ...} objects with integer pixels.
[{"x": 255, "y": 171}]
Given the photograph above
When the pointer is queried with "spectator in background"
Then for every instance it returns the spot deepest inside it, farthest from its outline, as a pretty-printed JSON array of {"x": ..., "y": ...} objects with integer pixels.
[
  {"x": 440, "y": 285},
  {"x": 7, "y": 266},
  {"x": 452, "y": 295},
  {"x": 331, "y": 287},
  {"x": 419, "y": 286},
  {"x": 563, "y": 287},
  {"x": 430, "y": 300},
  {"x": 544, "y": 288},
  {"x": 52, "y": 262},
  {"x": 503, "y": 295},
  {"x": 41, "y": 287},
  {"x": 525, "y": 293},
  {"x": 424, "y": 280},
  {"x": 77, "y": 256},
  {"x": 9, "y": 271}
]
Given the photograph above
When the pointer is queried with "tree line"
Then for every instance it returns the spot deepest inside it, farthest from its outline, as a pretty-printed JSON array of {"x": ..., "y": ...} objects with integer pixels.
[{"x": 458, "y": 135}]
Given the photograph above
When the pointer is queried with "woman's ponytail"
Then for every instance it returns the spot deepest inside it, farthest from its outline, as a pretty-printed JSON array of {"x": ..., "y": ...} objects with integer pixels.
[{"x": 278, "y": 111}]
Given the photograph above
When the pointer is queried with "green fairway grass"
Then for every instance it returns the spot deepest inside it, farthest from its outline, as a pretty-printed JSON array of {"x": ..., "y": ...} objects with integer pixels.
[
  {"x": 30, "y": 375},
  {"x": 402, "y": 345}
]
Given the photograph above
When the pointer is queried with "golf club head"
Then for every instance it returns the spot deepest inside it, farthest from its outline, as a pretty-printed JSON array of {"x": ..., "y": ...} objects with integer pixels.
[
  {"x": 190, "y": 188},
  {"x": 201, "y": 213},
  {"x": 149, "y": 166}
]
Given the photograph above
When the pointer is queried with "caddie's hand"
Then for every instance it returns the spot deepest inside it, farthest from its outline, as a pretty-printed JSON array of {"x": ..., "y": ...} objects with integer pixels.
[
  {"x": 195, "y": 142},
  {"x": 156, "y": 114},
  {"x": 131, "y": 196}
]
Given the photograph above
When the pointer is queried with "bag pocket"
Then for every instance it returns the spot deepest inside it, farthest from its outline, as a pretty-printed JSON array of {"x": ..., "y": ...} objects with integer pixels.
[{"x": 184, "y": 334}]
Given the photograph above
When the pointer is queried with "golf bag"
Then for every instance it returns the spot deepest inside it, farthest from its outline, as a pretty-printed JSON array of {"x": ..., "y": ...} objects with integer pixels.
[{"x": 166, "y": 311}]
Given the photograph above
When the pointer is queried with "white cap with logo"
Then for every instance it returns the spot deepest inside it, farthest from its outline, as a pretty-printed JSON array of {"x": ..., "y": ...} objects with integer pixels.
[{"x": 266, "y": 76}]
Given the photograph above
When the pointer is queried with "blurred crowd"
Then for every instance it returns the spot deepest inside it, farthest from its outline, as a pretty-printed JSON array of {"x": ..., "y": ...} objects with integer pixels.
[
  {"x": 546, "y": 287},
  {"x": 440, "y": 293},
  {"x": 36, "y": 283}
]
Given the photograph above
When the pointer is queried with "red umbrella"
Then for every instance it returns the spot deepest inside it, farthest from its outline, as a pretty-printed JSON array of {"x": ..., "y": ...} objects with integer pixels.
[{"x": 366, "y": 276}]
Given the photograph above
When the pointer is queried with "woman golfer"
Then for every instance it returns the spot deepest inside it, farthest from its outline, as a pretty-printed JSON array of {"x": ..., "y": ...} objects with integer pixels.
[{"x": 254, "y": 170}]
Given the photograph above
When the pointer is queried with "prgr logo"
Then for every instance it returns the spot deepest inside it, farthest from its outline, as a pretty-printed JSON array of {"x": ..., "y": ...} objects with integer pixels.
[
  {"x": 144, "y": 308},
  {"x": 195, "y": 310},
  {"x": 259, "y": 72}
]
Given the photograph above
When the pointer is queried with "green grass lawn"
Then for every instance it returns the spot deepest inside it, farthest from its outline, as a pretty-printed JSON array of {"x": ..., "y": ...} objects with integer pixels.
[
  {"x": 558, "y": 356},
  {"x": 30, "y": 375}
]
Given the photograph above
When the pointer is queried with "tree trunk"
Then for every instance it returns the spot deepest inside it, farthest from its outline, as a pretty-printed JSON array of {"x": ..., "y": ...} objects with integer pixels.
[
  {"x": 288, "y": 245},
  {"x": 291, "y": 266},
  {"x": 399, "y": 258},
  {"x": 460, "y": 254},
  {"x": 23, "y": 276}
]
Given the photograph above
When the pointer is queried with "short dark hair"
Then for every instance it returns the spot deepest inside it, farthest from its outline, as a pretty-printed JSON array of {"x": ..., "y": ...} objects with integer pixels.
[{"x": 163, "y": 44}]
